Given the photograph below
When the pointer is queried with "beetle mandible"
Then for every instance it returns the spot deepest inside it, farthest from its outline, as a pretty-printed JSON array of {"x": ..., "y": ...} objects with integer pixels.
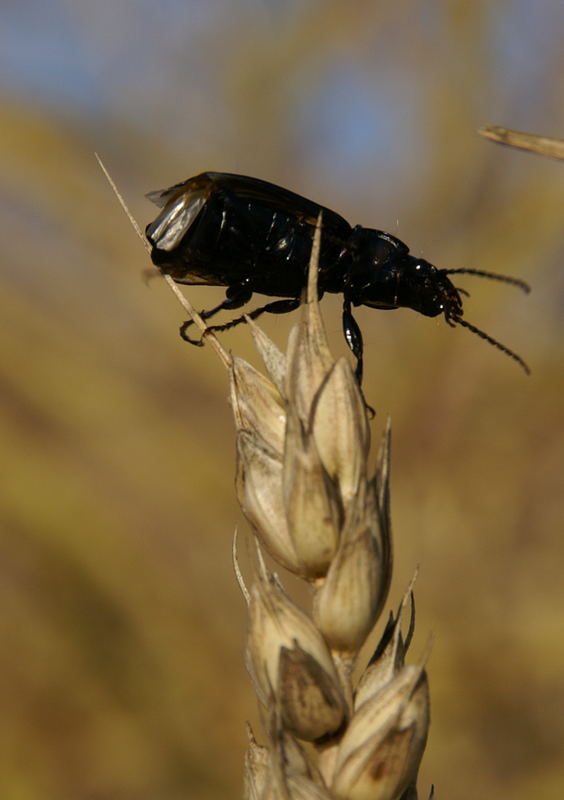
[{"x": 221, "y": 229}]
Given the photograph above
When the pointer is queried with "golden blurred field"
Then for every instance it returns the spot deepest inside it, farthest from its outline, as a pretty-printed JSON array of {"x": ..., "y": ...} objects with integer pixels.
[{"x": 122, "y": 628}]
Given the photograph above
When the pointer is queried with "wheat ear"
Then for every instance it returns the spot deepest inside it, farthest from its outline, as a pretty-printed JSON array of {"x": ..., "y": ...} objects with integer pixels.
[{"x": 304, "y": 484}]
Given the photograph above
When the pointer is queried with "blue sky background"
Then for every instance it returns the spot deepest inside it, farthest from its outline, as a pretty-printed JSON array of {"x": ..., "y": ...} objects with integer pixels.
[{"x": 162, "y": 68}]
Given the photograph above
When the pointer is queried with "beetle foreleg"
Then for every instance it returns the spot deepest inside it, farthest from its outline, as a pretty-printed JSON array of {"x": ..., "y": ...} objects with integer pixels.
[{"x": 353, "y": 337}]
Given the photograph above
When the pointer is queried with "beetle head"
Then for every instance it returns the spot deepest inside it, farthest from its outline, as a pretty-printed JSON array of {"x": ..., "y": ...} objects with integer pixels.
[
  {"x": 403, "y": 281},
  {"x": 409, "y": 282}
]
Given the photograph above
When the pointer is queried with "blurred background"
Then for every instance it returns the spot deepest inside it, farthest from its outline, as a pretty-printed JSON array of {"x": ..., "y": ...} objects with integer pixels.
[{"x": 121, "y": 626}]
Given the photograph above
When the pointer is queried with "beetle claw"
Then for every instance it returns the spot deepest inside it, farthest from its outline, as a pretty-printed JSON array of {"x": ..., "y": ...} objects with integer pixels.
[{"x": 183, "y": 335}]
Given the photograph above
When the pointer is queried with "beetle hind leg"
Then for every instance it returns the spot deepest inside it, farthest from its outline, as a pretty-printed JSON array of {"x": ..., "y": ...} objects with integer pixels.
[
  {"x": 277, "y": 307},
  {"x": 235, "y": 298}
]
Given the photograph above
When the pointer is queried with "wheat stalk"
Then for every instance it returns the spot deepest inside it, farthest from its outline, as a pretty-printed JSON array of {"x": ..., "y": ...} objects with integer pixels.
[
  {"x": 304, "y": 484},
  {"x": 541, "y": 145}
]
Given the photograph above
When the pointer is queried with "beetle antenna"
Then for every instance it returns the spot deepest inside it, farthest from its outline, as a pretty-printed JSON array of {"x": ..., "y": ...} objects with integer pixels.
[
  {"x": 492, "y": 275},
  {"x": 491, "y": 340}
]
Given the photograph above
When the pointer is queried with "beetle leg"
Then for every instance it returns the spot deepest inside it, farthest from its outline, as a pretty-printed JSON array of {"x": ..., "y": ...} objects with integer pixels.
[
  {"x": 236, "y": 296},
  {"x": 277, "y": 307},
  {"x": 353, "y": 337}
]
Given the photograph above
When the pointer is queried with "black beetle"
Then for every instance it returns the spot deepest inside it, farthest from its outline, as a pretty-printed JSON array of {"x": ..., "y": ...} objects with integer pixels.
[{"x": 251, "y": 236}]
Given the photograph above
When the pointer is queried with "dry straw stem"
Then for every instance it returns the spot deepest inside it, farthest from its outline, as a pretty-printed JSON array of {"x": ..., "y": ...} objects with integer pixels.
[
  {"x": 542, "y": 145},
  {"x": 184, "y": 302},
  {"x": 316, "y": 507}
]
